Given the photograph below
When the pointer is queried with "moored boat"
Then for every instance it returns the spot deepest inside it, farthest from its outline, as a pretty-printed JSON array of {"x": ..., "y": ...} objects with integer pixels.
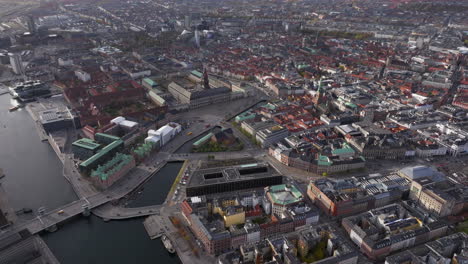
[
  {"x": 167, "y": 244},
  {"x": 13, "y": 108}
]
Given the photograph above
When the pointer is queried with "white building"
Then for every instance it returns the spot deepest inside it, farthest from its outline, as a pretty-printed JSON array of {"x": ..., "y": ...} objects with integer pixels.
[
  {"x": 65, "y": 62},
  {"x": 82, "y": 75},
  {"x": 430, "y": 151},
  {"x": 164, "y": 134},
  {"x": 126, "y": 125},
  {"x": 16, "y": 63},
  {"x": 453, "y": 138}
]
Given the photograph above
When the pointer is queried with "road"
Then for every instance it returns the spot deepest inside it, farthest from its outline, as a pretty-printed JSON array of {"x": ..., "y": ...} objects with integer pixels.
[
  {"x": 98, "y": 202},
  {"x": 91, "y": 199},
  {"x": 110, "y": 212}
]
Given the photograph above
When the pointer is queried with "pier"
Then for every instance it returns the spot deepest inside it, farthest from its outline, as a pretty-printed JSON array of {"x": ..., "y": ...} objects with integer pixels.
[{"x": 153, "y": 226}]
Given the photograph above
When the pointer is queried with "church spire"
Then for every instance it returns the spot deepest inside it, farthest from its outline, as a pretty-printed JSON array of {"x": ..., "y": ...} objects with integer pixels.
[{"x": 206, "y": 81}]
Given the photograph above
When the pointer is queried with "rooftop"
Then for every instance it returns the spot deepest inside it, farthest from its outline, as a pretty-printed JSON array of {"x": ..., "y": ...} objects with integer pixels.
[
  {"x": 285, "y": 194},
  {"x": 231, "y": 173},
  {"x": 101, "y": 153},
  {"x": 86, "y": 143}
]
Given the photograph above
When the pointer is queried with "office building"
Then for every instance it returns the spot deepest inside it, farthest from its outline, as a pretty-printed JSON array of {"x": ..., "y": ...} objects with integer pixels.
[
  {"x": 442, "y": 198},
  {"x": 103, "y": 154},
  {"x": 283, "y": 196},
  {"x": 271, "y": 135},
  {"x": 108, "y": 173},
  {"x": 84, "y": 148},
  {"x": 357, "y": 194},
  {"x": 232, "y": 178},
  {"x": 380, "y": 231},
  {"x": 447, "y": 249},
  {"x": 58, "y": 119}
]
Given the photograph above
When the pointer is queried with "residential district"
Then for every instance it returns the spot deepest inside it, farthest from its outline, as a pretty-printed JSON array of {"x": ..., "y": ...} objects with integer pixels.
[{"x": 311, "y": 131}]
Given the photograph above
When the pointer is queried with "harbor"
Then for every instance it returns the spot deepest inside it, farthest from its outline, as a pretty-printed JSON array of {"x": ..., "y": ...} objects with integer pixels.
[
  {"x": 40, "y": 183},
  {"x": 143, "y": 192}
]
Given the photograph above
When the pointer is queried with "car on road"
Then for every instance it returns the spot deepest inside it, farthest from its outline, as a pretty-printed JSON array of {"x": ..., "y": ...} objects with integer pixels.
[
  {"x": 60, "y": 212},
  {"x": 189, "y": 133}
]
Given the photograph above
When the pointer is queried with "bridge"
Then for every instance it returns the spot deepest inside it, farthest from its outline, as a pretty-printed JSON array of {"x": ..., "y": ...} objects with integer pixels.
[
  {"x": 98, "y": 202},
  {"x": 49, "y": 220},
  {"x": 110, "y": 212}
]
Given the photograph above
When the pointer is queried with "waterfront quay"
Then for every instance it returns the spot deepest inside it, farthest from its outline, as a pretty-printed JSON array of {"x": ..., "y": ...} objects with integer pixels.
[
  {"x": 105, "y": 204},
  {"x": 136, "y": 177}
]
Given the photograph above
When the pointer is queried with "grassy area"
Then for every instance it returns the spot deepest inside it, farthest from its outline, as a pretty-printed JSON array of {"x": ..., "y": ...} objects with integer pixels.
[
  {"x": 210, "y": 147},
  {"x": 120, "y": 108},
  {"x": 463, "y": 227},
  {"x": 260, "y": 220},
  {"x": 316, "y": 253},
  {"x": 249, "y": 136},
  {"x": 218, "y": 147}
]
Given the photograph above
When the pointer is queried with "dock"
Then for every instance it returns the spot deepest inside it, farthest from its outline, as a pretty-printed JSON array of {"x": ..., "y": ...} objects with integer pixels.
[
  {"x": 40, "y": 130},
  {"x": 3, "y": 90},
  {"x": 153, "y": 226}
]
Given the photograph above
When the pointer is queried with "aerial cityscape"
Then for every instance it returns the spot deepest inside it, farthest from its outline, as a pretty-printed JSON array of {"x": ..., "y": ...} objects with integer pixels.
[{"x": 233, "y": 131}]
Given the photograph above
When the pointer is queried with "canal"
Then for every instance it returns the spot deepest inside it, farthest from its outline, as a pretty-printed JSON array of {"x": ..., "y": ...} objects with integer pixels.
[
  {"x": 93, "y": 241},
  {"x": 34, "y": 179},
  {"x": 33, "y": 170},
  {"x": 116, "y": 242},
  {"x": 155, "y": 190}
]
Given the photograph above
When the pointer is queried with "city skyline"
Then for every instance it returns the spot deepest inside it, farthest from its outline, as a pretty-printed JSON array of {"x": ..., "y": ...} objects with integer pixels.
[{"x": 304, "y": 131}]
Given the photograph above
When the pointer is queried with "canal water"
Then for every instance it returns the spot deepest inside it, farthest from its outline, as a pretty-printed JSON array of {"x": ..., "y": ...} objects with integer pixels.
[
  {"x": 93, "y": 241},
  {"x": 33, "y": 171},
  {"x": 155, "y": 190},
  {"x": 34, "y": 179},
  {"x": 116, "y": 242}
]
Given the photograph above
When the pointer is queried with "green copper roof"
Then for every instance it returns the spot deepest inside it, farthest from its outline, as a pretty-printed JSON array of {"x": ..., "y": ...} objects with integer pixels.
[
  {"x": 245, "y": 116},
  {"x": 344, "y": 150},
  {"x": 351, "y": 105},
  {"x": 86, "y": 143},
  {"x": 284, "y": 195},
  {"x": 112, "y": 166},
  {"x": 270, "y": 106},
  {"x": 202, "y": 140},
  {"x": 101, "y": 153},
  {"x": 248, "y": 165},
  {"x": 323, "y": 161},
  {"x": 150, "y": 82},
  {"x": 111, "y": 137},
  {"x": 197, "y": 73}
]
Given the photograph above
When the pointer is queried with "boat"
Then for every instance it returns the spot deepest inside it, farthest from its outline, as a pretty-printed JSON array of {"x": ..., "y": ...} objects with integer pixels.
[
  {"x": 13, "y": 108},
  {"x": 167, "y": 244}
]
